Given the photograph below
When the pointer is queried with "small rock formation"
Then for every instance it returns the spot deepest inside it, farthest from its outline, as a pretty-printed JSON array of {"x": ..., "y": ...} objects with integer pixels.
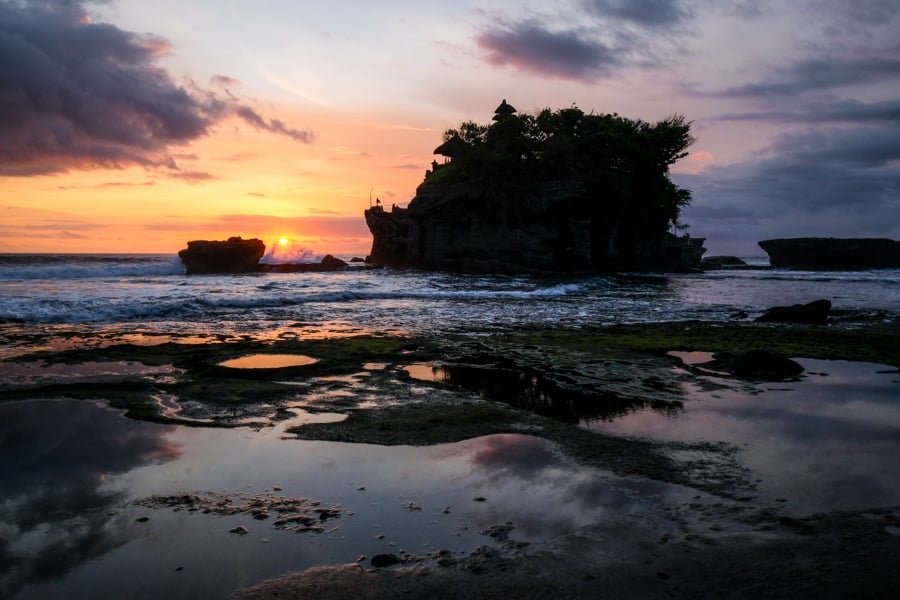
[
  {"x": 763, "y": 364},
  {"x": 235, "y": 255},
  {"x": 814, "y": 313},
  {"x": 754, "y": 364},
  {"x": 379, "y": 561},
  {"x": 718, "y": 262},
  {"x": 833, "y": 253},
  {"x": 328, "y": 263}
]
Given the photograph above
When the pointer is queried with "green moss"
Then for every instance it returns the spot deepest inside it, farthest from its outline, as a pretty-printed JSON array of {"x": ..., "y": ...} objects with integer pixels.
[{"x": 867, "y": 345}]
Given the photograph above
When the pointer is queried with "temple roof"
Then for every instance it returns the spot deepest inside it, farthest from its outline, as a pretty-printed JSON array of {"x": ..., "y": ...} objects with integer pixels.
[
  {"x": 452, "y": 147},
  {"x": 504, "y": 110}
]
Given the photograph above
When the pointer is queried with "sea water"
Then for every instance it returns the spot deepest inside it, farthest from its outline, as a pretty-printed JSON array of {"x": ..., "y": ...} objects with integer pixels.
[{"x": 151, "y": 293}]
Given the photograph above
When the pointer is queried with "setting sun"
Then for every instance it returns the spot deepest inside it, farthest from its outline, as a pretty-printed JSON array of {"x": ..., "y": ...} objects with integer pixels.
[{"x": 283, "y": 241}]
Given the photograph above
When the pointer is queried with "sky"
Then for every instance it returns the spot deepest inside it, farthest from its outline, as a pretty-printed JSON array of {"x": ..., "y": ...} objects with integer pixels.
[{"x": 134, "y": 126}]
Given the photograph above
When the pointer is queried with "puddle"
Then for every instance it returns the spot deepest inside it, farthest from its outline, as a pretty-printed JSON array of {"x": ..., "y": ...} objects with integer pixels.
[
  {"x": 26, "y": 373},
  {"x": 825, "y": 443},
  {"x": 269, "y": 361},
  {"x": 426, "y": 372},
  {"x": 692, "y": 358},
  {"x": 78, "y": 510}
]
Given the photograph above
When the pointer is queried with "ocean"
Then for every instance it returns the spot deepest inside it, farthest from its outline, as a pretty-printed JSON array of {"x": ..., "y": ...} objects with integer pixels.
[{"x": 130, "y": 294}]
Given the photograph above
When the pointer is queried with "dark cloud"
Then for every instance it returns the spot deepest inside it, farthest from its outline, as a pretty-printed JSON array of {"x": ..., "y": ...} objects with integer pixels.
[
  {"x": 821, "y": 73},
  {"x": 53, "y": 492},
  {"x": 847, "y": 111},
  {"x": 647, "y": 13},
  {"x": 75, "y": 94},
  {"x": 841, "y": 182},
  {"x": 561, "y": 54}
]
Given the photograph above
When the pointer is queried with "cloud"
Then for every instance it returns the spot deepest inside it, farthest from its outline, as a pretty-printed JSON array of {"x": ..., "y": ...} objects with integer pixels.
[
  {"x": 821, "y": 73},
  {"x": 847, "y": 111},
  {"x": 192, "y": 176},
  {"x": 647, "y": 13},
  {"x": 842, "y": 183},
  {"x": 561, "y": 54},
  {"x": 75, "y": 94}
]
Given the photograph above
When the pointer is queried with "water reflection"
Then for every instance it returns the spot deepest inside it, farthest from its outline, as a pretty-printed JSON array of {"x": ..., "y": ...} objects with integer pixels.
[
  {"x": 57, "y": 456},
  {"x": 269, "y": 361},
  {"x": 824, "y": 443},
  {"x": 536, "y": 393}
]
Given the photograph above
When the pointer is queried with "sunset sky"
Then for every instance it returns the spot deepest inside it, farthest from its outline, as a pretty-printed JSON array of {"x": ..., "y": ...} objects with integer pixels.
[{"x": 134, "y": 126}]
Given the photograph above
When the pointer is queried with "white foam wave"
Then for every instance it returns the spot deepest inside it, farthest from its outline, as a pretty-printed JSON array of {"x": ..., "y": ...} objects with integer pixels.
[{"x": 94, "y": 310}]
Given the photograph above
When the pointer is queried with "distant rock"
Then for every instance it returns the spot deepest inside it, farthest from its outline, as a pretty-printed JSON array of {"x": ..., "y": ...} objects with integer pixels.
[
  {"x": 718, "y": 262},
  {"x": 357, "y": 259},
  {"x": 814, "y": 313},
  {"x": 833, "y": 253},
  {"x": 235, "y": 255}
]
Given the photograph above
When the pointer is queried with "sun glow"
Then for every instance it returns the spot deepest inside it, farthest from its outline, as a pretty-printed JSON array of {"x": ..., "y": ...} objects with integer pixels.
[{"x": 283, "y": 241}]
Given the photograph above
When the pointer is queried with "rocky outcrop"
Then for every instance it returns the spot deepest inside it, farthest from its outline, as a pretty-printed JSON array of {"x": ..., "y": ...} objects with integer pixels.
[
  {"x": 833, "y": 253},
  {"x": 720, "y": 262},
  {"x": 235, "y": 255},
  {"x": 814, "y": 313},
  {"x": 550, "y": 229},
  {"x": 328, "y": 263}
]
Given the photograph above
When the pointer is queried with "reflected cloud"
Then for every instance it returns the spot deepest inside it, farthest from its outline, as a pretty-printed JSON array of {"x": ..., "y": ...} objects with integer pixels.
[{"x": 58, "y": 456}]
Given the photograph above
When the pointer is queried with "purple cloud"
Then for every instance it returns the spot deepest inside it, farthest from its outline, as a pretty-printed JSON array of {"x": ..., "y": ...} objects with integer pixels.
[
  {"x": 647, "y": 13},
  {"x": 564, "y": 55},
  {"x": 80, "y": 95}
]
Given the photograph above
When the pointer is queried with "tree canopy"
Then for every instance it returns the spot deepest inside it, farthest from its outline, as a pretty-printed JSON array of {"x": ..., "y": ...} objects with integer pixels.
[{"x": 622, "y": 163}]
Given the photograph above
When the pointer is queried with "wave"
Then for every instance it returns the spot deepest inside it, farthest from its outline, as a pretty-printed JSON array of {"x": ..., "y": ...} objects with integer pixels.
[
  {"x": 98, "y": 310},
  {"x": 79, "y": 268}
]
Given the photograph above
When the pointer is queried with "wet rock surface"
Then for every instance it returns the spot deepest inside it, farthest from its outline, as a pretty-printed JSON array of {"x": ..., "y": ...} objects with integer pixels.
[
  {"x": 813, "y": 313},
  {"x": 300, "y": 515}
]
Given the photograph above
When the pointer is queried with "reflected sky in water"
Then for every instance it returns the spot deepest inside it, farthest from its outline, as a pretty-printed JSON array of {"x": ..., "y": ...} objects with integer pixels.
[
  {"x": 827, "y": 442},
  {"x": 69, "y": 528}
]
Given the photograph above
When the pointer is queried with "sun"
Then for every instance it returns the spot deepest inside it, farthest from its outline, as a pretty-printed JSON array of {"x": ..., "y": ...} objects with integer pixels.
[{"x": 283, "y": 241}]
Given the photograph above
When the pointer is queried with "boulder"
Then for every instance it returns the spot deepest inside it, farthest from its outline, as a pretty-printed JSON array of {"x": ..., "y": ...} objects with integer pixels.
[
  {"x": 235, "y": 255},
  {"x": 833, "y": 253},
  {"x": 762, "y": 364},
  {"x": 814, "y": 313}
]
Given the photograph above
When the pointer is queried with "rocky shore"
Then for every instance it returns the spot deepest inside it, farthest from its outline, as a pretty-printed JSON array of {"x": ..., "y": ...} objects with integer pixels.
[{"x": 725, "y": 540}]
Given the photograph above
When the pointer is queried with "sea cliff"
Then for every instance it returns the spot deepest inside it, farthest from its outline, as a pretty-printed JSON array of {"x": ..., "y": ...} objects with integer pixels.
[{"x": 560, "y": 191}]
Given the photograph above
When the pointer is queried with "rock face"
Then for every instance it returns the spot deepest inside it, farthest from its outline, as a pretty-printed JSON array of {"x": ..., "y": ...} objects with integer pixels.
[
  {"x": 235, "y": 255},
  {"x": 814, "y": 313},
  {"x": 833, "y": 253},
  {"x": 459, "y": 227}
]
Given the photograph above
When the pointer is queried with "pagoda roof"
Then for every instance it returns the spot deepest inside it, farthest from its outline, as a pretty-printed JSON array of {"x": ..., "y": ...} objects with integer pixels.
[{"x": 452, "y": 147}]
